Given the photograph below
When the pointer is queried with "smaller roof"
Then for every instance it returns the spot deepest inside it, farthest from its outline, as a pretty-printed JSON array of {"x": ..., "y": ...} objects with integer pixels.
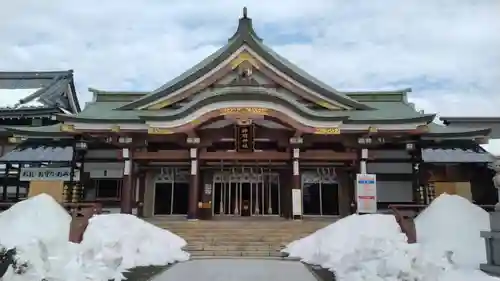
[
  {"x": 455, "y": 155},
  {"x": 440, "y": 131},
  {"x": 39, "y": 90},
  {"x": 47, "y": 151}
]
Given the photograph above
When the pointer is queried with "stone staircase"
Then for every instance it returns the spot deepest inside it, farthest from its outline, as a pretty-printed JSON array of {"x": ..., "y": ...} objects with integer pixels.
[{"x": 240, "y": 238}]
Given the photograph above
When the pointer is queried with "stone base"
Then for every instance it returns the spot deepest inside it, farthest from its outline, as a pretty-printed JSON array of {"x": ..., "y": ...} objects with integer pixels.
[
  {"x": 495, "y": 221},
  {"x": 493, "y": 270}
]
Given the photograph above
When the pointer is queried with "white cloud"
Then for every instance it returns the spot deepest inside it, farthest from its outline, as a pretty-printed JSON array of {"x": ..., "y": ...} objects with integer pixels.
[{"x": 446, "y": 50}]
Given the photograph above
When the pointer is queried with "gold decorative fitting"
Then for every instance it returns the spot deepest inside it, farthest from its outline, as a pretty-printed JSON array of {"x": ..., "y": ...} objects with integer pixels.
[
  {"x": 327, "y": 131},
  {"x": 244, "y": 57},
  {"x": 372, "y": 129},
  {"x": 67, "y": 128},
  {"x": 244, "y": 122},
  {"x": 326, "y": 105},
  {"x": 159, "y": 131},
  {"x": 115, "y": 128},
  {"x": 14, "y": 140},
  {"x": 244, "y": 110},
  {"x": 160, "y": 105}
]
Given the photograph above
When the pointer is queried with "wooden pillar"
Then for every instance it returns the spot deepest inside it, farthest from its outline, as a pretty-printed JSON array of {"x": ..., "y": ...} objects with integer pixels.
[
  {"x": 346, "y": 184},
  {"x": 296, "y": 206},
  {"x": 142, "y": 191},
  {"x": 194, "y": 180},
  {"x": 419, "y": 191},
  {"x": 128, "y": 183}
]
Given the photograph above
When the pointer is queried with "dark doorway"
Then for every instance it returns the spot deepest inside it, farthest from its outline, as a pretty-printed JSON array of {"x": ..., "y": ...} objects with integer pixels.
[
  {"x": 246, "y": 199},
  {"x": 181, "y": 198},
  {"x": 329, "y": 199},
  {"x": 163, "y": 199},
  {"x": 312, "y": 199}
]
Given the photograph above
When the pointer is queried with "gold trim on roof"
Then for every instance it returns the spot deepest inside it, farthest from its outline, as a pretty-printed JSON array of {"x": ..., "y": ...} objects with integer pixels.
[
  {"x": 159, "y": 131},
  {"x": 67, "y": 128}
]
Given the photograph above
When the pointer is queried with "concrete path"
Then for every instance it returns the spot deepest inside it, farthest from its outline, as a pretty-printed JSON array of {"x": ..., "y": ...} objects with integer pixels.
[{"x": 237, "y": 270}]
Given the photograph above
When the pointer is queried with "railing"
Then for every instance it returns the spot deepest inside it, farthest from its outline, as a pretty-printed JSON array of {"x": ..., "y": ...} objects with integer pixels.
[
  {"x": 80, "y": 215},
  {"x": 406, "y": 213}
]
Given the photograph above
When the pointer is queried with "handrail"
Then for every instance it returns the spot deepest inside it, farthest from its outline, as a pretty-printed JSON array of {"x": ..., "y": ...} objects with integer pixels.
[{"x": 407, "y": 224}]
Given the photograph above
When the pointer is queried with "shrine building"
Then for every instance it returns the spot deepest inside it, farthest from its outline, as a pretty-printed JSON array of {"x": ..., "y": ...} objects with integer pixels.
[{"x": 245, "y": 132}]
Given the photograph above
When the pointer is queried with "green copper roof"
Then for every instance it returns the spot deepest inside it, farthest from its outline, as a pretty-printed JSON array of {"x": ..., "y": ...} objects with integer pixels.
[
  {"x": 436, "y": 130},
  {"x": 245, "y": 35},
  {"x": 382, "y": 112}
]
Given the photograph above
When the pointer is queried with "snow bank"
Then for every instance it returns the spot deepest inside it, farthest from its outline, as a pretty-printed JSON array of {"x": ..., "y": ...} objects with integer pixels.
[
  {"x": 39, "y": 229},
  {"x": 452, "y": 223},
  {"x": 367, "y": 247},
  {"x": 372, "y": 247},
  {"x": 138, "y": 242},
  {"x": 38, "y": 218}
]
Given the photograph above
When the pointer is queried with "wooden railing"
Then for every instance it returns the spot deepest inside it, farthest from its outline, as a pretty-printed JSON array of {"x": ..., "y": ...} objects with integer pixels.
[
  {"x": 406, "y": 213},
  {"x": 80, "y": 215}
]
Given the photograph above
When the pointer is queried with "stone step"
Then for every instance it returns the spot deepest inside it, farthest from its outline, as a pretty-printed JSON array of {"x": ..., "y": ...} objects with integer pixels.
[
  {"x": 236, "y": 243},
  {"x": 223, "y": 225},
  {"x": 229, "y": 235},
  {"x": 241, "y": 247},
  {"x": 240, "y": 239},
  {"x": 233, "y": 230},
  {"x": 238, "y": 253}
]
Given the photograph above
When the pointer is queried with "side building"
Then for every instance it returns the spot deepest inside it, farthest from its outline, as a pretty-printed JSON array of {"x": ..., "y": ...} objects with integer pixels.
[
  {"x": 29, "y": 99},
  {"x": 247, "y": 133}
]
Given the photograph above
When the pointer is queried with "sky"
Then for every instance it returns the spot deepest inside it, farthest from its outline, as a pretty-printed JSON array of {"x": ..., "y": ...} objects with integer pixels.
[{"x": 447, "y": 51}]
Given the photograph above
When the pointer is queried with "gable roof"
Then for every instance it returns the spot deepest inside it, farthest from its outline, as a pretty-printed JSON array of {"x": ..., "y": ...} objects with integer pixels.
[
  {"x": 40, "y": 90},
  {"x": 386, "y": 107},
  {"x": 245, "y": 35}
]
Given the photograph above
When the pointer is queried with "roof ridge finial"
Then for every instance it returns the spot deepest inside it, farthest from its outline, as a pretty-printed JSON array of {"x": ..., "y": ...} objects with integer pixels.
[{"x": 245, "y": 13}]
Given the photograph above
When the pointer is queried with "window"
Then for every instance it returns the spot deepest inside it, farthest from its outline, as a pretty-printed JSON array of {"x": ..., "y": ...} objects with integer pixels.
[{"x": 108, "y": 188}]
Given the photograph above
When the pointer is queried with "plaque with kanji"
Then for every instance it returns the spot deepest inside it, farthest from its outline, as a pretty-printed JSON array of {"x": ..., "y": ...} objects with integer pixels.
[{"x": 244, "y": 138}]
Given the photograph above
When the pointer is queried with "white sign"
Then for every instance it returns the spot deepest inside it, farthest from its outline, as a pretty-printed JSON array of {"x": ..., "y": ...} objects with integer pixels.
[
  {"x": 366, "y": 193},
  {"x": 48, "y": 174},
  {"x": 296, "y": 202}
]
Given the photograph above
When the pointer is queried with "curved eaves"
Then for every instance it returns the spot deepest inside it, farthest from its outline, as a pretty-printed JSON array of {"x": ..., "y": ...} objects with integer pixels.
[
  {"x": 233, "y": 95},
  {"x": 418, "y": 119}
]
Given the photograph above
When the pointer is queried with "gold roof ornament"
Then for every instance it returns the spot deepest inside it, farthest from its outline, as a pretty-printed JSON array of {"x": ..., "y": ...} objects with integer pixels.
[
  {"x": 115, "y": 128},
  {"x": 159, "y": 131},
  {"x": 67, "y": 128}
]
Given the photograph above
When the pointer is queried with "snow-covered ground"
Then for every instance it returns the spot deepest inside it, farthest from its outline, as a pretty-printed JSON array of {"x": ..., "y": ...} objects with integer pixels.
[
  {"x": 39, "y": 229},
  {"x": 372, "y": 247}
]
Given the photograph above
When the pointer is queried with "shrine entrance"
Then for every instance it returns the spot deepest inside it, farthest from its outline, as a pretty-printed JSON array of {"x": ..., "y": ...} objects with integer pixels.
[
  {"x": 171, "y": 192},
  {"x": 320, "y": 192},
  {"x": 246, "y": 191}
]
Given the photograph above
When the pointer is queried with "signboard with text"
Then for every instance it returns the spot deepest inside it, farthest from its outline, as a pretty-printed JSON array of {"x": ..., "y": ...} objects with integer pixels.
[
  {"x": 366, "y": 193},
  {"x": 244, "y": 138},
  {"x": 48, "y": 174}
]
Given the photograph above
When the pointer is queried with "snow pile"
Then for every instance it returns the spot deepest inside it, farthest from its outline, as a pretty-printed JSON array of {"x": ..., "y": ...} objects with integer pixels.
[
  {"x": 39, "y": 218},
  {"x": 368, "y": 247},
  {"x": 141, "y": 244},
  {"x": 39, "y": 229},
  {"x": 372, "y": 247},
  {"x": 452, "y": 223}
]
